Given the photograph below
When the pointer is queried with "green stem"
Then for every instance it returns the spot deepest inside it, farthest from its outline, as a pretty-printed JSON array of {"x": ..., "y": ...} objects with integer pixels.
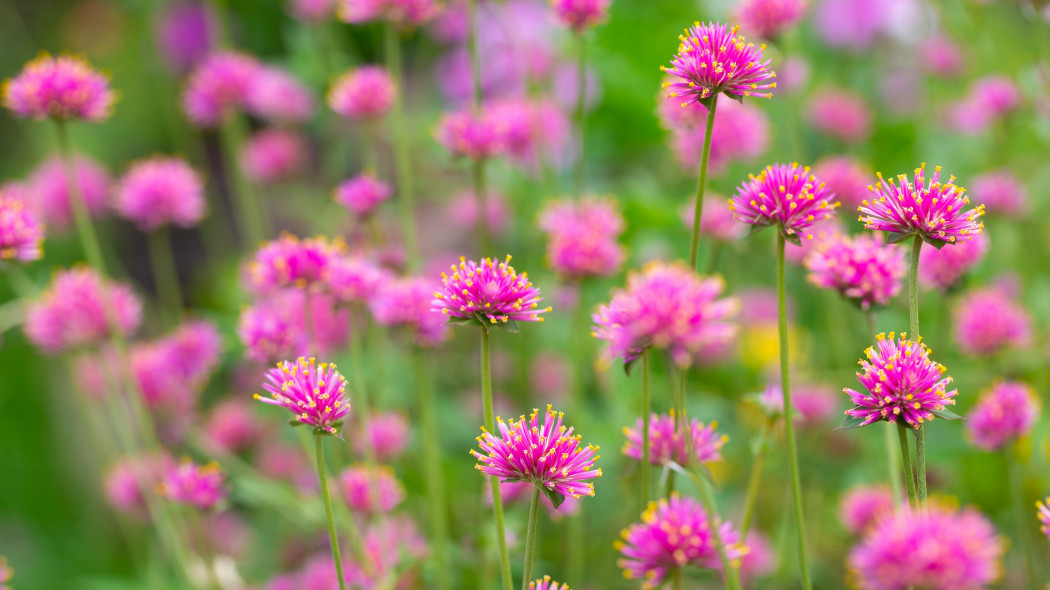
[
  {"x": 249, "y": 211},
  {"x": 909, "y": 475},
  {"x": 497, "y": 496},
  {"x": 434, "y": 467},
  {"x": 85, "y": 228},
  {"x": 530, "y": 536},
  {"x": 676, "y": 579},
  {"x": 669, "y": 484},
  {"x": 694, "y": 246},
  {"x": 645, "y": 428},
  {"x": 920, "y": 467},
  {"x": 360, "y": 398},
  {"x": 789, "y": 426},
  {"x": 753, "y": 482},
  {"x": 579, "y": 355},
  {"x": 165, "y": 275},
  {"x": 732, "y": 576},
  {"x": 581, "y": 116},
  {"x": 333, "y": 539},
  {"x": 892, "y": 462},
  {"x": 1020, "y": 511},
  {"x": 913, "y": 333},
  {"x": 477, "y": 168},
  {"x": 402, "y": 155}
]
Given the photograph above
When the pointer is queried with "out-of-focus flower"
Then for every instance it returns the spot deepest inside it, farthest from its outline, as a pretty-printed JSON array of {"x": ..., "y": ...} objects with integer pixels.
[
  {"x": 387, "y": 434},
  {"x": 232, "y": 426},
  {"x": 354, "y": 279},
  {"x": 667, "y": 306},
  {"x": 785, "y": 196},
  {"x": 311, "y": 11},
  {"x": 863, "y": 506},
  {"x": 488, "y": 293},
  {"x": 823, "y": 231},
  {"x": 462, "y": 211},
  {"x": 291, "y": 262},
  {"x": 273, "y": 155},
  {"x": 711, "y": 59},
  {"x": 159, "y": 191},
  {"x": 371, "y": 490},
  {"x": 850, "y": 24},
  {"x": 7, "y": 572},
  {"x": 79, "y": 309},
  {"x": 717, "y": 221},
  {"x": 845, "y": 178},
  {"x": 195, "y": 348},
  {"x": 580, "y": 15},
  {"x": 362, "y": 93},
  {"x": 408, "y": 302},
  {"x": 582, "y": 237},
  {"x": 277, "y": 96},
  {"x": 860, "y": 267},
  {"x": 535, "y": 133},
  {"x": 813, "y": 404},
  {"x": 989, "y": 320},
  {"x": 62, "y": 88},
  {"x": 269, "y": 332},
  {"x": 393, "y": 548},
  {"x": 760, "y": 559},
  {"x": 315, "y": 394},
  {"x": 940, "y": 549},
  {"x": 127, "y": 482},
  {"x": 1043, "y": 512},
  {"x": 403, "y": 12},
  {"x": 200, "y": 486},
  {"x": 904, "y": 385},
  {"x": 740, "y": 132},
  {"x": 840, "y": 114},
  {"x": 769, "y": 18},
  {"x": 362, "y": 194},
  {"x": 474, "y": 135},
  {"x": 50, "y": 195},
  {"x": 286, "y": 462},
  {"x": 184, "y": 34},
  {"x": 666, "y": 443},
  {"x": 545, "y": 583},
  {"x": 1003, "y": 414},
  {"x": 989, "y": 99},
  {"x": 793, "y": 75},
  {"x": 21, "y": 233},
  {"x": 943, "y": 268},
  {"x": 673, "y": 533},
  {"x": 1001, "y": 192},
  {"x": 941, "y": 56},
  {"x": 221, "y": 82}
]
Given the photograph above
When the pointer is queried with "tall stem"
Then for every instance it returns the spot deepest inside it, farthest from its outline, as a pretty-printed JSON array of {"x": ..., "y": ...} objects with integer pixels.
[
  {"x": 694, "y": 245},
  {"x": 497, "y": 496},
  {"x": 403, "y": 158},
  {"x": 1013, "y": 464},
  {"x": 165, "y": 275},
  {"x": 333, "y": 539},
  {"x": 530, "y": 536},
  {"x": 789, "y": 423},
  {"x": 85, "y": 228},
  {"x": 913, "y": 333},
  {"x": 434, "y": 468},
  {"x": 477, "y": 168},
  {"x": 581, "y": 101},
  {"x": 249, "y": 211},
  {"x": 475, "y": 57},
  {"x": 676, "y": 579},
  {"x": 579, "y": 355},
  {"x": 755, "y": 479},
  {"x": 645, "y": 428},
  {"x": 732, "y": 577},
  {"x": 361, "y": 401},
  {"x": 909, "y": 475},
  {"x": 892, "y": 462}
]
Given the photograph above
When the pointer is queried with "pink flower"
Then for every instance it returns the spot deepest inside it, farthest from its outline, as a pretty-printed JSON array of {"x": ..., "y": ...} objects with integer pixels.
[
  {"x": 475, "y": 136},
  {"x": 408, "y": 303},
  {"x": 362, "y": 194},
  {"x": 535, "y": 133},
  {"x": 388, "y": 435},
  {"x": 786, "y": 196},
  {"x": 844, "y": 177},
  {"x": 21, "y": 233},
  {"x": 580, "y": 15},
  {"x": 79, "y": 309},
  {"x": 861, "y": 268},
  {"x": 840, "y": 114},
  {"x": 760, "y": 559},
  {"x": 943, "y": 268},
  {"x": 995, "y": 94},
  {"x": 312, "y": 11},
  {"x": 232, "y": 426},
  {"x": 582, "y": 237},
  {"x": 404, "y": 12},
  {"x": 185, "y": 34},
  {"x": 220, "y": 83},
  {"x": 850, "y": 24},
  {"x": 354, "y": 279},
  {"x": 363, "y": 93},
  {"x": 488, "y": 293},
  {"x": 942, "y": 56},
  {"x": 988, "y": 320},
  {"x": 769, "y": 18},
  {"x": 276, "y": 95},
  {"x": 273, "y": 155},
  {"x": 740, "y": 132},
  {"x": 315, "y": 394},
  {"x": 813, "y": 404},
  {"x": 159, "y": 191},
  {"x": 127, "y": 482},
  {"x": 711, "y": 59},
  {"x": 794, "y": 75},
  {"x": 717, "y": 221},
  {"x": 1003, "y": 414},
  {"x": 291, "y": 262},
  {"x": 864, "y": 506},
  {"x": 394, "y": 549},
  {"x": 62, "y": 88},
  {"x": 462, "y": 212},
  {"x": 1043, "y": 512},
  {"x": 1001, "y": 192},
  {"x": 371, "y": 490},
  {"x": 545, "y": 583},
  {"x": 666, "y": 443},
  {"x": 51, "y": 196},
  {"x": 200, "y": 486},
  {"x": 269, "y": 332}
]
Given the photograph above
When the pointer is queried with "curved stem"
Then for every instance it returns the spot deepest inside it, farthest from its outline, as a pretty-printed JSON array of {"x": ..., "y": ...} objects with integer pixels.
[
  {"x": 789, "y": 426},
  {"x": 1014, "y": 466},
  {"x": 913, "y": 333},
  {"x": 165, "y": 274},
  {"x": 530, "y": 536},
  {"x": 909, "y": 475},
  {"x": 434, "y": 468},
  {"x": 694, "y": 245},
  {"x": 403, "y": 158},
  {"x": 477, "y": 168},
  {"x": 497, "y": 496},
  {"x": 333, "y": 539},
  {"x": 645, "y": 428},
  {"x": 581, "y": 101},
  {"x": 755, "y": 479}
]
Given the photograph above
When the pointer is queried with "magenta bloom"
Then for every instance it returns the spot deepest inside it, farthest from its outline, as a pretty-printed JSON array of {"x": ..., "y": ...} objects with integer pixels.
[
  {"x": 404, "y": 12},
  {"x": 291, "y": 262},
  {"x": 667, "y": 306},
  {"x": 232, "y": 426},
  {"x": 363, "y": 93},
  {"x": 942, "y": 56},
  {"x": 159, "y": 191},
  {"x": 769, "y": 18},
  {"x": 904, "y": 385},
  {"x": 861, "y": 268},
  {"x": 1043, "y": 512},
  {"x": 1003, "y": 414},
  {"x": 273, "y": 155},
  {"x": 850, "y": 24},
  {"x": 269, "y": 331},
  {"x": 933, "y": 211},
  {"x": 672, "y": 534},
  {"x": 582, "y": 237},
  {"x": 316, "y": 394},
  {"x": 62, "y": 88},
  {"x": 989, "y": 320},
  {"x": 535, "y": 133},
  {"x": 864, "y": 506},
  {"x": 7, "y": 572},
  {"x": 1001, "y": 192},
  {"x": 371, "y": 490},
  {"x": 943, "y": 268},
  {"x": 717, "y": 222},
  {"x": 580, "y": 15},
  {"x": 475, "y": 136},
  {"x": 740, "y": 132},
  {"x": 21, "y": 233},
  {"x": 545, "y": 583},
  {"x": 711, "y": 58},
  {"x": 276, "y": 95},
  {"x": 220, "y": 83},
  {"x": 845, "y": 178},
  {"x": 72, "y": 312},
  {"x": 50, "y": 194},
  {"x": 362, "y": 194},
  {"x": 200, "y": 486},
  {"x": 388, "y": 435},
  {"x": 408, "y": 303},
  {"x": 786, "y": 196},
  {"x": 128, "y": 480},
  {"x": 312, "y": 11},
  {"x": 354, "y": 279},
  {"x": 940, "y": 550},
  {"x": 184, "y": 34},
  {"x": 840, "y": 114},
  {"x": 488, "y": 293},
  {"x": 996, "y": 95},
  {"x": 666, "y": 443}
]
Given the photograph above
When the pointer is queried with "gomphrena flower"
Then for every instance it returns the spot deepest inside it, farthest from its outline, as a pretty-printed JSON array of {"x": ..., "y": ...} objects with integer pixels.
[
  {"x": 271, "y": 330},
  {"x": 354, "y": 279},
  {"x": 580, "y": 15},
  {"x": 786, "y": 196},
  {"x": 316, "y": 394},
  {"x": 291, "y": 262},
  {"x": 934, "y": 211},
  {"x": 220, "y": 83},
  {"x": 273, "y": 155},
  {"x": 49, "y": 195},
  {"x": 547, "y": 455},
  {"x": 988, "y": 321},
  {"x": 943, "y": 269},
  {"x": 488, "y": 293},
  {"x": 185, "y": 34},
  {"x": 161, "y": 191},
  {"x": 79, "y": 309},
  {"x": 1001, "y": 193},
  {"x": 1043, "y": 512},
  {"x": 63, "y": 87},
  {"x": 904, "y": 385},
  {"x": 863, "y": 506},
  {"x": 545, "y": 583},
  {"x": 371, "y": 490},
  {"x": 769, "y": 18},
  {"x": 813, "y": 403},
  {"x": 840, "y": 114},
  {"x": 362, "y": 93},
  {"x": 740, "y": 133},
  {"x": 667, "y": 306},
  {"x": 862, "y": 268},
  {"x": 387, "y": 434},
  {"x": 582, "y": 237},
  {"x": 408, "y": 302},
  {"x": 844, "y": 177},
  {"x": 717, "y": 222},
  {"x": 126, "y": 482},
  {"x": 941, "y": 56},
  {"x": 21, "y": 233},
  {"x": 942, "y": 549},
  {"x": 1003, "y": 414},
  {"x": 712, "y": 58},
  {"x": 535, "y": 132},
  {"x": 362, "y": 194},
  {"x": 666, "y": 443},
  {"x": 473, "y": 135},
  {"x": 404, "y": 12},
  {"x": 674, "y": 533},
  {"x": 232, "y": 427},
  {"x": 276, "y": 95},
  {"x": 200, "y": 486}
]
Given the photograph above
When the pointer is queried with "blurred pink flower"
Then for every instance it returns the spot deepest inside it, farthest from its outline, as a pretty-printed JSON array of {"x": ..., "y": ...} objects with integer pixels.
[
  {"x": 475, "y": 136},
  {"x": 863, "y": 506},
  {"x": 582, "y": 237},
  {"x": 161, "y": 191},
  {"x": 50, "y": 195},
  {"x": 942, "y": 56},
  {"x": 769, "y": 18},
  {"x": 535, "y": 133},
  {"x": 580, "y": 15},
  {"x": 717, "y": 220},
  {"x": 840, "y": 114},
  {"x": 273, "y": 155},
  {"x": 407, "y": 303},
  {"x": 62, "y": 88},
  {"x": 362, "y": 194},
  {"x": 21, "y": 233},
  {"x": 861, "y": 268},
  {"x": 942, "y": 269},
  {"x": 312, "y": 11},
  {"x": 760, "y": 559},
  {"x": 793, "y": 75},
  {"x": 277, "y": 96},
  {"x": 846, "y": 178},
  {"x": 1003, "y": 414},
  {"x": 354, "y": 279},
  {"x": 461, "y": 212},
  {"x": 72, "y": 312},
  {"x": 371, "y": 490},
  {"x": 127, "y": 482},
  {"x": 740, "y": 132},
  {"x": 232, "y": 426},
  {"x": 824, "y": 231},
  {"x": 363, "y": 93},
  {"x": 290, "y": 262},
  {"x": 1001, "y": 193},
  {"x": 987, "y": 321},
  {"x": 202, "y": 487},
  {"x": 184, "y": 33},
  {"x": 220, "y": 83},
  {"x": 850, "y": 24},
  {"x": 387, "y": 433},
  {"x": 666, "y": 443}
]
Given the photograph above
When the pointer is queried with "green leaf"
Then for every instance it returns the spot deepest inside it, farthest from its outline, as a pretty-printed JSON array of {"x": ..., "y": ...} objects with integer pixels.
[
  {"x": 793, "y": 238},
  {"x": 755, "y": 229},
  {"x": 935, "y": 243},
  {"x": 555, "y": 498},
  {"x": 510, "y": 327},
  {"x": 737, "y": 97},
  {"x": 898, "y": 238},
  {"x": 629, "y": 365},
  {"x": 851, "y": 422},
  {"x": 294, "y": 422},
  {"x": 946, "y": 414}
]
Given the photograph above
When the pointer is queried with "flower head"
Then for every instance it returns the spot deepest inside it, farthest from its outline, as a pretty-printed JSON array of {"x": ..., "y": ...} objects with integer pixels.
[
  {"x": 276, "y": 95},
  {"x": 934, "y": 211},
  {"x": 840, "y": 114},
  {"x": 863, "y": 507},
  {"x": 159, "y": 191},
  {"x": 545, "y": 583},
  {"x": 989, "y": 320},
  {"x": 49, "y": 192},
  {"x": 666, "y": 443},
  {"x": 474, "y": 135},
  {"x": 582, "y": 237},
  {"x": 547, "y": 455},
  {"x": 21, "y": 233},
  {"x": 1043, "y": 512},
  {"x": 371, "y": 490},
  {"x": 62, "y": 88},
  {"x": 673, "y": 533},
  {"x": 580, "y": 15},
  {"x": 269, "y": 331},
  {"x": 408, "y": 302},
  {"x": 273, "y": 155},
  {"x": 861, "y": 268},
  {"x": 942, "y": 56},
  {"x": 1001, "y": 192},
  {"x": 786, "y": 196},
  {"x": 316, "y": 394},
  {"x": 944, "y": 268},
  {"x": 712, "y": 58},
  {"x": 717, "y": 221},
  {"x": 291, "y": 262},
  {"x": 404, "y": 12},
  {"x": 232, "y": 426},
  {"x": 488, "y": 293},
  {"x": 904, "y": 385},
  {"x": 201, "y": 486},
  {"x": 769, "y": 18},
  {"x": 845, "y": 178},
  {"x": 127, "y": 482},
  {"x": 362, "y": 194},
  {"x": 354, "y": 279},
  {"x": 79, "y": 309},
  {"x": 387, "y": 434},
  {"x": 996, "y": 95},
  {"x": 185, "y": 34},
  {"x": 221, "y": 82},
  {"x": 363, "y": 93},
  {"x": 1003, "y": 414}
]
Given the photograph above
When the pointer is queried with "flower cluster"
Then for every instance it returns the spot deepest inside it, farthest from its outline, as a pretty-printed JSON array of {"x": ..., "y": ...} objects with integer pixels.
[
  {"x": 21, "y": 233},
  {"x": 370, "y": 490},
  {"x": 161, "y": 191},
  {"x": 291, "y": 262},
  {"x": 666, "y": 443},
  {"x": 580, "y": 15},
  {"x": 363, "y": 93},
  {"x": 80, "y": 309},
  {"x": 711, "y": 59},
  {"x": 863, "y": 507},
  {"x": 989, "y": 320},
  {"x": 1003, "y": 414},
  {"x": 769, "y": 18},
  {"x": 488, "y": 293},
  {"x": 315, "y": 394},
  {"x": 942, "y": 269},
  {"x": 362, "y": 194},
  {"x": 785, "y": 196},
  {"x": 200, "y": 486},
  {"x": 861, "y": 268},
  {"x": 62, "y": 88},
  {"x": 582, "y": 237}
]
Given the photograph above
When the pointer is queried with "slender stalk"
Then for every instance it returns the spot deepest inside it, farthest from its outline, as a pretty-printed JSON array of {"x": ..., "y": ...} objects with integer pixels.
[
  {"x": 249, "y": 211},
  {"x": 579, "y": 354},
  {"x": 85, "y": 228},
  {"x": 669, "y": 484},
  {"x": 913, "y": 333},
  {"x": 732, "y": 576},
  {"x": 530, "y": 536},
  {"x": 676, "y": 579},
  {"x": 475, "y": 57},
  {"x": 892, "y": 462},
  {"x": 477, "y": 169},
  {"x": 360, "y": 398},
  {"x": 581, "y": 115},
  {"x": 497, "y": 496},
  {"x": 333, "y": 538},
  {"x": 909, "y": 475},
  {"x": 753, "y": 482},
  {"x": 402, "y": 155},
  {"x": 165, "y": 275},
  {"x": 694, "y": 245},
  {"x": 645, "y": 427},
  {"x": 1023, "y": 536},
  {"x": 789, "y": 425},
  {"x": 433, "y": 469},
  {"x": 920, "y": 467}
]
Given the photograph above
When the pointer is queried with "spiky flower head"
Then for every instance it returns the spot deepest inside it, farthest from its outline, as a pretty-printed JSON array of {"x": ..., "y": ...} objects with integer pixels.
[
  {"x": 666, "y": 443},
  {"x": 903, "y": 385},
  {"x": 21, "y": 233},
  {"x": 674, "y": 533},
  {"x": 934, "y": 211},
  {"x": 371, "y": 489},
  {"x": 488, "y": 293},
  {"x": 1003, "y": 414},
  {"x": 291, "y": 262},
  {"x": 362, "y": 194},
  {"x": 545, "y": 583},
  {"x": 943, "y": 269},
  {"x": 219, "y": 84},
  {"x": 1043, "y": 512},
  {"x": 315, "y": 394},
  {"x": 711, "y": 59},
  {"x": 990, "y": 320},
  {"x": 363, "y": 93},
  {"x": 63, "y": 88},
  {"x": 580, "y": 15},
  {"x": 786, "y": 196},
  {"x": 161, "y": 191},
  {"x": 273, "y": 155},
  {"x": 473, "y": 135},
  {"x": 582, "y": 237},
  {"x": 861, "y": 268},
  {"x": 547, "y": 455},
  {"x": 200, "y": 486}
]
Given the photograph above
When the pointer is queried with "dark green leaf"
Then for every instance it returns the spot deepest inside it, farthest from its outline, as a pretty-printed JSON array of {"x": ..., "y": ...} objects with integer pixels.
[
  {"x": 946, "y": 414},
  {"x": 737, "y": 97},
  {"x": 936, "y": 243},
  {"x": 629, "y": 365},
  {"x": 294, "y": 422},
  {"x": 851, "y": 422},
  {"x": 898, "y": 238},
  {"x": 511, "y": 327},
  {"x": 755, "y": 229},
  {"x": 555, "y": 498}
]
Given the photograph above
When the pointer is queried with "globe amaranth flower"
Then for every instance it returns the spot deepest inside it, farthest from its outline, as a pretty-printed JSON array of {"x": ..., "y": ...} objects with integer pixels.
[
  {"x": 273, "y": 155},
  {"x": 666, "y": 443},
  {"x": 580, "y": 15},
  {"x": 674, "y": 533},
  {"x": 232, "y": 427},
  {"x": 711, "y": 59},
  {"x": 933, "y": 211},
  {"x": 548, "y": 455},
  {"x": 366, "y": 93},
  {"x": 270, "y": 331},
  {"x": 840, "y": 114},
  {"x": 812, "y": 403},
  {"x": 200, "y": 486},
  {"x": 161, "y": 191},
  {"x": 717, "y": 222},
  {"x": 535, "y": 133},
  {"x": 1001, "y": 193},
  {"x": 941, "y": 56},
  {"x": 354, "y": 279},
  {"x": 1003, "y": 414},
  {"x": 362, "y": 194},
  {"x": 276, "y": 95},
  {"x": 903, "y": 385},
  {"x": 740, "y": 133},
  {"x": 315, "y": 394},
  {"x": 79, "y": 309},
  {"x": 185, "y": 34},
  {"x": 863, "y": 506},
  {"x": 769, "y": 18},
  {"x": 386, "y": 435},
  {"x": 126, "y": 482},
  {"x": 473, "y": 135},
  {"x": 786, "y": 196},
  {"x": 669, "y": 307},
  {"x": 844, "y": 177},
  {"x": 220, "y": 83},
  {"x": 291, "y": 262},
  {"x": 371, "y": 490},
  {"x": 403, "y": 12},
  {"x": 545, "y": 583},
  {"x": 942, "y": 269},
  {"x": 861, "y": 268},
  {"x": 488, "y": 293},
  {"x": 1043, "y": 512},
  {"x": 62, "y": 88},
  {"x": 408, "y": 303},
  {"x": 582, "y": 237},
  {"x": 989, "y": 320},
  {"x": 942, "y": 549},
  {"x": 49, "y": 194},
  {"x": 21, "y": 233}
]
